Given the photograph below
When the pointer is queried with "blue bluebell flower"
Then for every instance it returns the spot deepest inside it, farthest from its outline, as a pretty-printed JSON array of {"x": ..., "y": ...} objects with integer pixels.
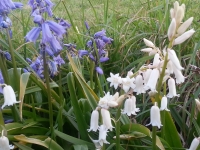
[
  {"x": 7, "y": 56},
  {"x": 99, "y": 70},
  {"x": 33, "y": 35},
  {"x": 58, "y": 60},
  {"x": 82, "y": 53}
]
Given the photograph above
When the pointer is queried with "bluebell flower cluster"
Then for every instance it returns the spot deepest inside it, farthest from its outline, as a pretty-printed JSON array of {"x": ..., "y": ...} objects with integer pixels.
[
  {"x": 50, "y": 34},
  {"x": 5, "y": 7},
  {"x": 97, "y": 52}
]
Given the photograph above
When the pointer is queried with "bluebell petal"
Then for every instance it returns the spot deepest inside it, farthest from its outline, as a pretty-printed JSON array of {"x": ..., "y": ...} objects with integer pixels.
[
  {"x": 103, "y": 59},
  {"x": 55, "y": 27},
  {"x": 82, "y": 53},
  {"x": 100, "y": 34},
  {"x": 46, "y": 33},
  {"x": 33, "y": 34},
  {"x": 99, "y": 70}
]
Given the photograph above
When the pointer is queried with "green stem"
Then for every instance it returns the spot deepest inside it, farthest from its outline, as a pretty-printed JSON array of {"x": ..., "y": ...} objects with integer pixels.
[
  {"x": 99, "y": 85},
  {"x": 91, "y": 73},
  {"x": 161, "y": 79},
  {"x": 117, "y": 128},
  {"x": 46, "y": 75},
  {"x": 1, "y": 118},
  {"x": 60, "y": 119},
  {"x": 13, "y": 61},
  {"x": 154, "y": 138}
]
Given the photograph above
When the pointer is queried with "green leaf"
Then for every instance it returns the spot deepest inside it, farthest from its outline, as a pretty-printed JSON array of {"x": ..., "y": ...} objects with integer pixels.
[
  {"x": 22, "y": 146},
  {"x": 82, "y": 125},
  {"x": 74, "y": 140},
  {"x": 171, "y": 134},
  {"x": 80, "y": 147},
  {"x": 48, "y": 142},
  {"x": 131, "y": 128},
  {"x": 89, "y": 93}
]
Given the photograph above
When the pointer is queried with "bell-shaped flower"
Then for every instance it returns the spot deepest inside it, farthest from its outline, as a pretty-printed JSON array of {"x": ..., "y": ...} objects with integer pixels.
[
  {"x": 94, "y": 121},
  {"x": 170, "y": 67},
  {"x": 172, "y": 88},
  {"x": 164, "y": 104},
  {"x": 9, "y": 96},
  {"x": 102, "y": 135},
  {"x": 151, "y": 84},
  {"x": 148, "y": 43},
  {"x": 128, "y": 83},
  {"x": 56, "y": 28},
  {"x": 146, "y": 75},
  {"x": 33, "y": 34},
  {"x": 151, "y": 51},
  {"x": 194, "y": 144},
  {"x": 115, "y": 80},
  {"x": 178, "y": 75},
  {"x": 139, "y": 85},
  {"x": 106, "y": 119},
  {"x": 46, "y": 33},
  {"x": 130, "y": 106},
  {"x": 108, "y": 101},
  {"x": 4, "y": 143},
  {"x": 173, "y": 57},
  {"x": 183, "y": 37},
  {"x": 129, "y": 73},
  {"x": 155, "y": 116},
  {"x": 156, "y": 60},
  {"x": 184, "y": 26}
]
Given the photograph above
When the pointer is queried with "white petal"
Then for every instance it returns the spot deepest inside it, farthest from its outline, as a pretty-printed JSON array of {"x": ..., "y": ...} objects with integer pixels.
[
  {"x": 178, "y": 75},
  {"x": 156, "y": 60},
  {"x": 194, "y": 144}
]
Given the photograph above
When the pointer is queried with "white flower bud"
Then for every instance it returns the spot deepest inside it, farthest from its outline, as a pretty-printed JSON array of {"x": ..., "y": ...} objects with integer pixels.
[
  {"x": 184, "y": 26},
  {"x": 94, "y": 121},
  {"x": 173, "y": 57},
  {"x": 155, "y": 116},
  {"x": 194, "y": 144},
  {"x": 184, "y": 37},
  {"x": 9, "y": 96},
  {"x": 106, "y": 119},
  {"x": 179, "y": 15},
  {"x": 164, "y": 104},
  {"x": 172, "y": 14},
  {"x": 172, "y": 88},
  {"x": 171, "y": 29},
  {"x": 146, "y": 50},
  {"x": 148, "y": 43}
]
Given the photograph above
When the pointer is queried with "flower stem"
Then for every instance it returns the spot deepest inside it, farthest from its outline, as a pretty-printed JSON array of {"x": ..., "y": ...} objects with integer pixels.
[
  {"x": 46, "y": 75},
  {"x": 1, "y": 118},
  {"x": 117, "y": 128},
  {"x": 99, "y": 85},
  {"x": 154, "y": 138}
]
